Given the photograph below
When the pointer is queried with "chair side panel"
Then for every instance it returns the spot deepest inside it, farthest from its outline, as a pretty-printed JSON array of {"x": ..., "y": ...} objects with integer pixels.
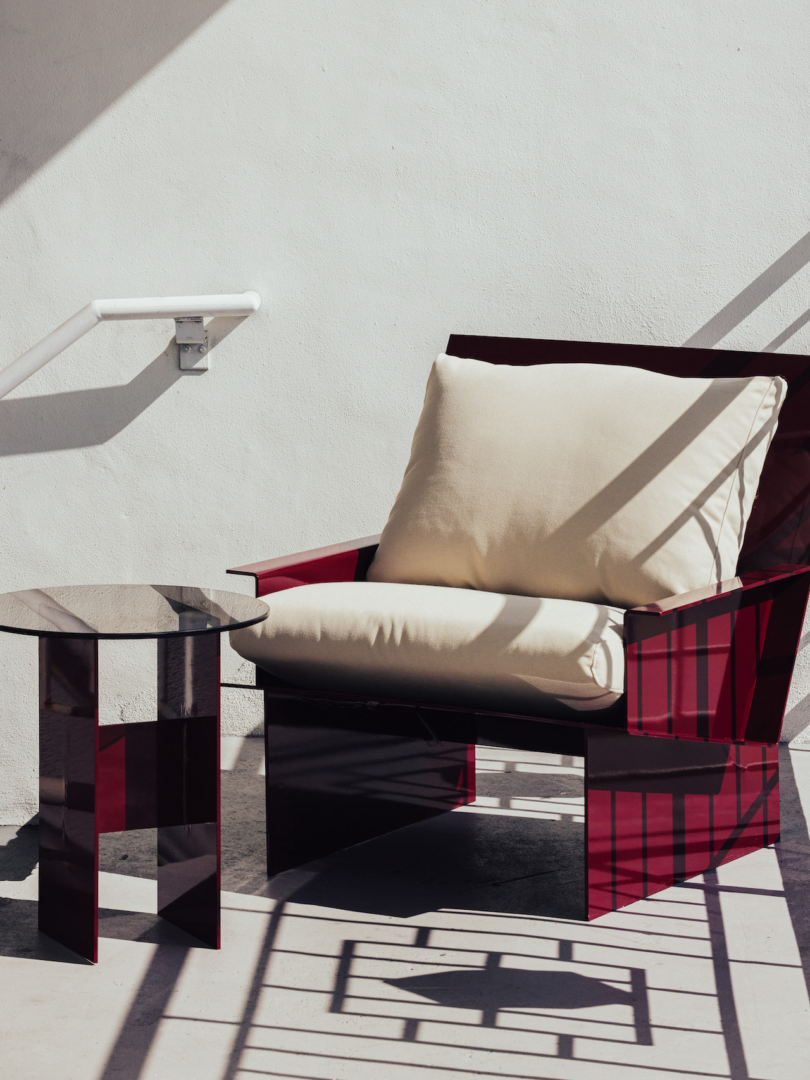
[{"x": 718, "y": 671}]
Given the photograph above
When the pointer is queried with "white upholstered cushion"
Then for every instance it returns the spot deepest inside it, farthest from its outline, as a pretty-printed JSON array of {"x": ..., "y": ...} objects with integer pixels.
[
  {"x": 579, "y": 481},
  {"x": 441, "y": 645}
]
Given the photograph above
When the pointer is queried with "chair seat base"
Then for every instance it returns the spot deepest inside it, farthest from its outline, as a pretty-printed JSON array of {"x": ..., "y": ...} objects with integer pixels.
[{"x": 342, "y": 770}]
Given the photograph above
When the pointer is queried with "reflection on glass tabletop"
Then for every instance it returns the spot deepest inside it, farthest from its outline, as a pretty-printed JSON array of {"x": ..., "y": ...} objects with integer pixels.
[{"x": 126, "y": 611}]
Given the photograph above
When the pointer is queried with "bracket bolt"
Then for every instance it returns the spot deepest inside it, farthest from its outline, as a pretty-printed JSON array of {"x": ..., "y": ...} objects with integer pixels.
[
  {"x": 186, "y": 348},
  {"x": 201, "y": 348}
]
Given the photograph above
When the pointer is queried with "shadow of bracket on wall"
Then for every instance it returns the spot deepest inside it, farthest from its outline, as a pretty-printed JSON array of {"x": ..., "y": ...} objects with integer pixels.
[{"x": 80, "y": 418}]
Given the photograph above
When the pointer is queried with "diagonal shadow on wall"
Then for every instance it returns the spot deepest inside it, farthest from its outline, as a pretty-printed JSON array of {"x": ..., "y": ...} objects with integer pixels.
[
  {"x": 82, "y": 417},
  {"x": 63, "y": 64},
  {"x": 752, "y": 296},
  {"x": 77, "y": 418}
]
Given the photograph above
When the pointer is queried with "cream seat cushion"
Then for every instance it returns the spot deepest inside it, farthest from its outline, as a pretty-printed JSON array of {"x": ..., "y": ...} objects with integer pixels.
[
  {"x": 579, "y": 481},
  {"x": 433, "y": 644}
]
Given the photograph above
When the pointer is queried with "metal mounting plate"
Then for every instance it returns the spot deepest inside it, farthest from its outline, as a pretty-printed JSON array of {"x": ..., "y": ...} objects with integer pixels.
[{"x": 192, "y": 342}]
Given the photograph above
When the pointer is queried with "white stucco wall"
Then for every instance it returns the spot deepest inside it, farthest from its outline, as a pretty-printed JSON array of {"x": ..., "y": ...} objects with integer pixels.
[{"x": 383, "y": 174}]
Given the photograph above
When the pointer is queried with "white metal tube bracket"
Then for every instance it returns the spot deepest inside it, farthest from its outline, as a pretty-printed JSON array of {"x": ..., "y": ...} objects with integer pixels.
[
  {"x": 192, "y": 344},
  {"x": 183, "y": 309}
]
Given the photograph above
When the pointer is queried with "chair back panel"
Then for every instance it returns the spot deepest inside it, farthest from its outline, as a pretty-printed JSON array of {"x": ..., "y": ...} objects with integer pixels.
[{"x": 778, "y": 530}]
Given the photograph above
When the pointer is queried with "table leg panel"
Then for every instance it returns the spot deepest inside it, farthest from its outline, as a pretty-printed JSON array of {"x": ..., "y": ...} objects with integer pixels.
[
  {"x": 187, "y": 772},
  {"x": 188, "y": 879},
  {"x": 68, "y": 840}
]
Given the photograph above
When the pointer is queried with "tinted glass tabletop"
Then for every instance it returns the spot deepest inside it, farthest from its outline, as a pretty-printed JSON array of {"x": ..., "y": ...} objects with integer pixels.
[{"x": 126, "y": 611}]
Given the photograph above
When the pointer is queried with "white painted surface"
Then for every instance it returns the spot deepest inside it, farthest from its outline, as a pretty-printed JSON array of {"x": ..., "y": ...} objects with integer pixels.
[{"x": 382, "y": 175}]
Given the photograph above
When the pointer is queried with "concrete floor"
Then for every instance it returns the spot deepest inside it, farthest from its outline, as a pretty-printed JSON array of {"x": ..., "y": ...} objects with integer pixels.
[{"x": 453, "y": 946}]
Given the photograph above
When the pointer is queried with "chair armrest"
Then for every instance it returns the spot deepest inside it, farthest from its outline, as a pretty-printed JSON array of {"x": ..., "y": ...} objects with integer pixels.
[
  {"x": 339, "y": 562},
  {"x": 712, "y": 593},
  {"x": 716, "y": 664}
]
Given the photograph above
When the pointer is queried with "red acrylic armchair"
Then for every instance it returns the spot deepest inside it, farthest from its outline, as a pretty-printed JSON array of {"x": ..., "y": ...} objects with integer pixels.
[{"x": 681, "y": 774}]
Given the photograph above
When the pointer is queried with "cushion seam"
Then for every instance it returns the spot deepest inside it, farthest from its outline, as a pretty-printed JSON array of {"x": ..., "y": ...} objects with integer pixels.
[
  {"x": 592, "y": 664},
  {"x": 735, "y": 485},
  {"x": 596, "y": 647}
]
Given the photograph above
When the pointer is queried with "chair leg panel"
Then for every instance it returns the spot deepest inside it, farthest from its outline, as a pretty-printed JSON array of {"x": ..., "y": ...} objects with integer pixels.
[
  {"x": 659, "y": 811},
  {"x": 328, "y": 788}
]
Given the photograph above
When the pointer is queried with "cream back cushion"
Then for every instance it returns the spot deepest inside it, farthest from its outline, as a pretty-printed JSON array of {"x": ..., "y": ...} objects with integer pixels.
[{"x": 578, "y": 481}]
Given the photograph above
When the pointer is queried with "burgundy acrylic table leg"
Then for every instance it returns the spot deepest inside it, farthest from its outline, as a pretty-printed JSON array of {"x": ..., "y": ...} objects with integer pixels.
[
  {"x": 68, "y": 839},
  {"x": 188, "y": 784}
]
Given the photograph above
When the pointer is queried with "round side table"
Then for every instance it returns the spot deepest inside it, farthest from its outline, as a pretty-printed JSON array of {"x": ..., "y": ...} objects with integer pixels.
[{"x": 161, "y": 774}]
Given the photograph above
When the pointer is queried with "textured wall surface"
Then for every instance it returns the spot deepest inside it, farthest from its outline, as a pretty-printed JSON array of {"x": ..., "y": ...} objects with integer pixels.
[{"x": 383, "y": 174}]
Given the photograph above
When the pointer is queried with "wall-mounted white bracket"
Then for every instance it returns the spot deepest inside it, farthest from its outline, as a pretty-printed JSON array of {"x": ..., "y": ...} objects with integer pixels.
[
  {"x": 183, "y": 309},
  {"x": 192, "y": 341}
]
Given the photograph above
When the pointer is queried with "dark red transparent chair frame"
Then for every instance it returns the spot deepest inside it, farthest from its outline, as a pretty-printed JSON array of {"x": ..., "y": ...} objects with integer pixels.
[{"x": 680, "y": 776}]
